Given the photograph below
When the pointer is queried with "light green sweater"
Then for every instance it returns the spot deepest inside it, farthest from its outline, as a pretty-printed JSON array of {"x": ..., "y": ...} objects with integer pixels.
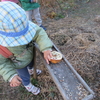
[{"x": 8, "y": 67}]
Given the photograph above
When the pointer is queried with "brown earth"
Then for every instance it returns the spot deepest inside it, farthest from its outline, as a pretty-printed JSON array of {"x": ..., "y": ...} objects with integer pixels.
[{"x": 78, "y": 38}]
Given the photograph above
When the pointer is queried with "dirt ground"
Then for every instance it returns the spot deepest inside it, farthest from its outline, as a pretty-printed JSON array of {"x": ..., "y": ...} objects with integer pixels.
[{"x": 78, "y": 38}]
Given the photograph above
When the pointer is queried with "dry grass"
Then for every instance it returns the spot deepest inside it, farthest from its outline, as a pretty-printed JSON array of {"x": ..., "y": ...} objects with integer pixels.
[{"x": 83, "y": 52}]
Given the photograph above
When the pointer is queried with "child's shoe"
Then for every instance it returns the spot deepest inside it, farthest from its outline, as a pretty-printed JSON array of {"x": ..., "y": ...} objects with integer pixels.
[
  {"x": 31, "y": 88},
  {"x": 43, "y": 27},
  {"x": 31, "y": 72}
]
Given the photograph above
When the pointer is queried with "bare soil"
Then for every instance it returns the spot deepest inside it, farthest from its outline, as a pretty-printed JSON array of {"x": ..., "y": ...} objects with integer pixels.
[{"x": 78, "y": 38}]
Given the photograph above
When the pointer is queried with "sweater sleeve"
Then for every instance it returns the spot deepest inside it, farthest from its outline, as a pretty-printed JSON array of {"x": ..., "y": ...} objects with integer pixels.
[
  {"x": 7, "y": 69},
  {"x": 42, "y": 39}
]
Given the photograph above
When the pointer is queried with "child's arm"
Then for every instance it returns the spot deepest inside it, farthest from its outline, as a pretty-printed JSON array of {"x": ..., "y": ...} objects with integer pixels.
[
  {"x": 42, "y": 39},
  {"x": 44, "y": 43},
  {"x": 7, "y": 68}
]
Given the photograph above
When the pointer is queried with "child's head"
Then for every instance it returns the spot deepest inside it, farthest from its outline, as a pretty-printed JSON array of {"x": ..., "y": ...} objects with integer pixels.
[{"x": 15, "y": 29}]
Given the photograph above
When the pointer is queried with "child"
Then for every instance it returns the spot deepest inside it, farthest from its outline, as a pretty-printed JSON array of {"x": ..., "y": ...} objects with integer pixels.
[
  {"x": 32, "y": 10},
  {"x": 17, "y": 33},
  {"x": 30, "y": 68}
]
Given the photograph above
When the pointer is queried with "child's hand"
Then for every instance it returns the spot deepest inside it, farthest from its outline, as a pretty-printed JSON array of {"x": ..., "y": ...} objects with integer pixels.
[
  {"x": 47, "y": 55},
  {"x": 16, "y": 81}
]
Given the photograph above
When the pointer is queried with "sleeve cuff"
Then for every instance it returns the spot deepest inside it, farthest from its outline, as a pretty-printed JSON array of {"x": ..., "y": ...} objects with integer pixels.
[
  {"x": 46, "y": 50},
  {"x": 12, "y": 77}
]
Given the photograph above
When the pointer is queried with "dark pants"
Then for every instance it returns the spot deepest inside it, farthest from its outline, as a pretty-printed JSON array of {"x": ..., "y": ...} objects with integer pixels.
[{"x": 24, "y": 74}]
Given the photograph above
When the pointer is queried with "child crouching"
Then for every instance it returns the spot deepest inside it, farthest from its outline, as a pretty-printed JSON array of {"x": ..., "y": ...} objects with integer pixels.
[{"x": 16, "y": 32}]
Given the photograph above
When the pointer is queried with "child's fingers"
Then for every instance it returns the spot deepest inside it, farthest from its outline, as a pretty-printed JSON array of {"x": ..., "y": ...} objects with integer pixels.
[
  {"x": 47, "y": 61},
  {"x": 16, "y": 82},
  {"x": 48, "y": 58},
  {"x": 47, "y": 55},
  {"x": 13, "y": 85},
  {"x": 51, "y": 55},
  {"x": 19, "y": 79}
]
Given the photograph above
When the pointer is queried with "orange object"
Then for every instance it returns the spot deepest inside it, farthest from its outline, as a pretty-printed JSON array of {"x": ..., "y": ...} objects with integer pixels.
[
  {"x": 5, "y": 52},
  {"x": 57, "y": 57}
]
